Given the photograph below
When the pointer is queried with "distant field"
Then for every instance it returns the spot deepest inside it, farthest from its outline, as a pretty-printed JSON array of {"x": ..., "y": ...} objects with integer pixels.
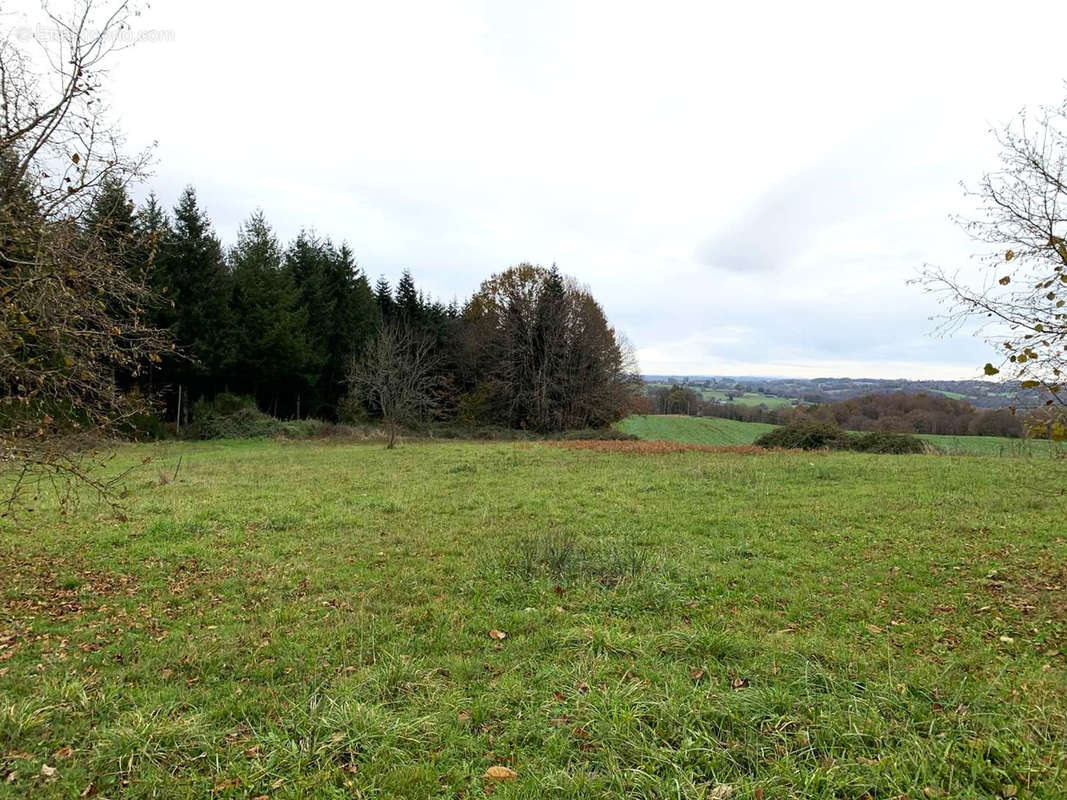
[
  {"x": 739, "y": 398},
  {"x": 990, "y": 445},
  {"x": 712, "y": 430},
  {"x": 326, "y": 620},
  {"x": 693, "y": 430},
  {"x": 747, "y": 399},
  {"x": 950, "y": 395}
]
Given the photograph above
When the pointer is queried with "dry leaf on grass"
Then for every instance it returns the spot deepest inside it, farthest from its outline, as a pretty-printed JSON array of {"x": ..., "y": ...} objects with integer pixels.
[
  {"x": 696, "y": 674},
  {"x": 500, "y": 773},
  {"x": 498, "y": 635},
  {"x": 721, "y": 792},
  {"x": 63, "y": 752},
  {"x": 47, "y": 771}
]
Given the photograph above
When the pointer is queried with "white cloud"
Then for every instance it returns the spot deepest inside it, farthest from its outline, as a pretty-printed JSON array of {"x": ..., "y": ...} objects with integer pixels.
[{"x": 729, "y": 179}]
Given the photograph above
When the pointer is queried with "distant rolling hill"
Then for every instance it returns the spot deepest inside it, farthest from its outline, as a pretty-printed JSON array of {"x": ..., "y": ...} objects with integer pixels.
[{"x": 776, "y": 391}]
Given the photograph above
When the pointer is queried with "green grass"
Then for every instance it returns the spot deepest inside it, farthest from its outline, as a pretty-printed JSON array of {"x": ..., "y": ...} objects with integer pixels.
[
  {"x": 950, "y": 395},
  {"x": 715, "y": 431},
  {"x": 312, "y": 620},
  {"x": 992, "y": 445},
  {"x": 692, "y": 430}
]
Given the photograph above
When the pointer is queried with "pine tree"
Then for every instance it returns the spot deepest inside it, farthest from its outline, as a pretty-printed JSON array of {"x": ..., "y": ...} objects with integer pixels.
[
  {"x": 111, "y": 221},
  {"x": 548, "y": 353},
  {"x": 383, "y": 296},
  {"x": 270, "y": 344},
  {"x": 308, "y": 261},
  {"x": 408, "y": 303},
  {"x": 353, "y": 323},
  {"x": 191, "y": 272}
]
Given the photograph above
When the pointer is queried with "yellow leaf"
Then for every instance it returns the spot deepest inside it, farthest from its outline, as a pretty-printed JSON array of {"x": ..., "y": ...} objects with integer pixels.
[{"x": 500, "y": 773}]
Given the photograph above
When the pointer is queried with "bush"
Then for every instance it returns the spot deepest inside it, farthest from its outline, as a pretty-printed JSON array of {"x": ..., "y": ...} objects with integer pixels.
[
  {"x": 805, "y": 436},
  {"x": 895, "y": 443},
  {"x": 231, "y": 416},
  {"x": 827, "y": 436}
]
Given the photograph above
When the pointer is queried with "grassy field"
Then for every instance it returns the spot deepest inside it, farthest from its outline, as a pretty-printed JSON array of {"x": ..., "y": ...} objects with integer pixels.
[
  {"x": 715, "y": 431},
  {"x": 692, "y": 430},
  {"x": 991, "y": 445},
  {"x": 292, "y": 620},
  {"x": 740, "y": 398}
]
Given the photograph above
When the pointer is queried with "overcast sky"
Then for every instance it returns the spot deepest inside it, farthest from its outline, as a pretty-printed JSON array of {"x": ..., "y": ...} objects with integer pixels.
[{"x": 746, "y": 187}]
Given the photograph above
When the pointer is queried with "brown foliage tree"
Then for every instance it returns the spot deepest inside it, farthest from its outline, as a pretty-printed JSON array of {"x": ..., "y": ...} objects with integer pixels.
[
  {"x": 72, "y": 315},
  {"x": 540, "y": 348}
]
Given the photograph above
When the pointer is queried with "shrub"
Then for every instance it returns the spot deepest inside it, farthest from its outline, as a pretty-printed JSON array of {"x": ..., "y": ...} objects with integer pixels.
[
  {"x": 805, "y": 436},
  {"x": 231, "y": 416},
  {"x": 896, "y": 443},
  {"x": 827, "y": 436}
]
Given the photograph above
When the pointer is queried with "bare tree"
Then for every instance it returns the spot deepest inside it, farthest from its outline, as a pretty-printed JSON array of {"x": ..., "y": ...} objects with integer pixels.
[
  {"x": 71, "y": 316},
  {"x": 396, "y": 377},
  {"x": 1019, "y": 296}
]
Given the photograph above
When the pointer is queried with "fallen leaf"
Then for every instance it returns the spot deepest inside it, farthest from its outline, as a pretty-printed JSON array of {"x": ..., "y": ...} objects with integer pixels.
[
  {"x": 500, "y": 773},
  {"x": 463, "y": 716},
  {"x": 1008, "y": 790},
  {"x": 47, "y": 771},
  {"x": 1007, "y": 639},
  {"x": 721, "y": 792},
  {"x": 63, "y": 752},
  {"x": 740, "y": 683},
  {"x": 874, "y": 628},
  {"x": 498, "y": 635},
  {"x": 696, "y": 674},
  {"x": 252, "y": 752}
]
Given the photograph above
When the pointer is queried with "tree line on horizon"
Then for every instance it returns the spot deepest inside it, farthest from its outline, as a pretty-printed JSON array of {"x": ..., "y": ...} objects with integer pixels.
[
  {"x": 286, "y": 325},
  {"x": 877, "y": 413}
]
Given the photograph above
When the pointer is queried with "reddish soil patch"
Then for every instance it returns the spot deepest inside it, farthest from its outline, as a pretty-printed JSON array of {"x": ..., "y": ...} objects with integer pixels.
[{"x": 655, "y": 447}]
